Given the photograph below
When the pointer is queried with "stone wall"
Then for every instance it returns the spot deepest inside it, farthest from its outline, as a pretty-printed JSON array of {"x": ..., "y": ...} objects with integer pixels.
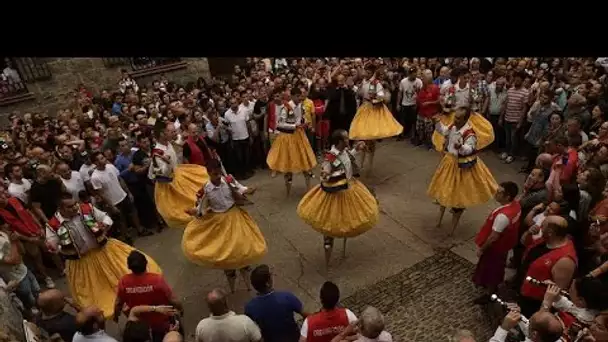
[{"x": 67, "y": 73}]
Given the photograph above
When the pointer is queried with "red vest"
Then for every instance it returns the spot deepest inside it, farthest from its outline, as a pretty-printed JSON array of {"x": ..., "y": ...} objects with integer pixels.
[
  {"x": 23, "y": 223},
  {"x": 325, "y": 325},
  {"x": 196, "y": 155},
  {"x": 540, "y": 268},
  {"x": 568, "y": 320},
  {"x": 508, "y": 238},
  {"x": 319, "y": 107},
  {"x": 272, "y": 116}
]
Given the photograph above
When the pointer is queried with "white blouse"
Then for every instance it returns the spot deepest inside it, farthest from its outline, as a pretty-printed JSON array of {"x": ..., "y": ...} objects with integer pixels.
[
  {"x": 166, "y": 169},
  {"x": 365, "y": 90},
  {"x": 220, "y": 197},
  {"x": 344, "y": 158},
  {"x": 454, "y": 136},
  {"x": 82, "y": 237}
]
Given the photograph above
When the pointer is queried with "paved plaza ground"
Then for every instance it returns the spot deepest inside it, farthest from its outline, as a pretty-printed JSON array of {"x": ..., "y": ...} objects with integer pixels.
[{"x": 412, "y": 271}]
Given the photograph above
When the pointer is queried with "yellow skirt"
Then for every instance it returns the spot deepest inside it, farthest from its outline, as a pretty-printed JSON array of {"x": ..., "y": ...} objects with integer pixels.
[
  {"x": 454, "y": 187},
  {"x": 93, "y": 279},
  {"x": 373, "y": 122},
  {"x": 229, "y": 240},
  {"x": 291, "y": 153},
  {"x": 346, "y": 213},
  {"x": 173, "y": 199}
]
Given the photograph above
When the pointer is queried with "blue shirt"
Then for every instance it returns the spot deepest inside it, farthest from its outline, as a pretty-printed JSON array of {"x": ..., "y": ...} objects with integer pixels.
[
  {"x": 273, "y": 313},
  {"x": 122, "y": 163},
  {"x": 439, "y": 81},
  {"x": 116, "y": 108}
]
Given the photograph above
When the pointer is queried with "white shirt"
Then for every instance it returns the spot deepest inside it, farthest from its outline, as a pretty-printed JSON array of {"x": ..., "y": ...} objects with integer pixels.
[
  {"x": 248, "y": 107},
  {"x": 462, "y": 95},
  {"x": 9, "y": 272},
  {"x": 100, "y": 336},
  {"x": 344, "y": 159},
  {"x": 445, "y": 86},
  {"x": 107, "y": 181},
  {"x": 538, "y": 221},
  {"x": 282, "y": 115},
  {"x": 127, "y": 82},
  {"x": 501, "y": 221},
  {"x": 11, "y": 74},
  {"x": 82, "y": 237},
  {"x": 277, "y": 109},
  {"x": 384, "y": 336},
  {"x": 584, "y": 137},
  {"x": 583, "y": 315},
  {"x": 227, "y": 328},
  {"x": 84, "y": 172},
  {"x": 501, "y": 334},
  {"x": 220, "y": 197},
  {"x": 166, "y": 168},
  {"x": 223, "y": 134},
  {"x": 409, "y": 91},
  {"x": 352, "y": 318},
  {"x": 238, "y": 123},
  {"x": 454, "y": 136},
  {"x": 365, "y": 90},
  {"x": 21, "y": 191},
  {"x": 74, "y": 185}
]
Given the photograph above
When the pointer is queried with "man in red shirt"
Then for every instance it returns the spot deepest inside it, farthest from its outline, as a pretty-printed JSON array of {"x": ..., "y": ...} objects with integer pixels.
[
  {"x": 143, "y": 288},
  {"x": 496, "y": 238},
  {"x": 552, "y": 257},
  {"x": 565, "y": 160},
  {"x": 427, "y": 103},
  {"x": 330, "y": 321}
]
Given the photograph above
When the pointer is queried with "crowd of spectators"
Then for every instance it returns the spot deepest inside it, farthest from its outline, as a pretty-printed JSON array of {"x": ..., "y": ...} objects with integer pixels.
[{"x": 550, "y": 113}]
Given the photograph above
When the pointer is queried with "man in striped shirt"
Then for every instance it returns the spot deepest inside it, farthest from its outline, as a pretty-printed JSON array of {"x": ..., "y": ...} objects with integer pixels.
[{"x": 512, "y": 119}]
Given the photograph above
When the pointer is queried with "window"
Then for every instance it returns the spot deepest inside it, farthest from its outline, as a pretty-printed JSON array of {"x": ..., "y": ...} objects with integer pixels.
[
  {"x": 12, "y": 85},
  {"x": 145, "y": 66}
]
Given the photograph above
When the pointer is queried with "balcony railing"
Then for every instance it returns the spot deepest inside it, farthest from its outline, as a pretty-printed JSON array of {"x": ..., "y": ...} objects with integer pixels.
[
  {"x": 145, "y": 66},
  {"x": 13, "y": 91},
  {"x": 32, "y": 69},
  {"x": 112, "y": 62}
]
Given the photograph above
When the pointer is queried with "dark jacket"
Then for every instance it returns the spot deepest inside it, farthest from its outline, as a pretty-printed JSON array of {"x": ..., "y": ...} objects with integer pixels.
[{"x": 341, "y": 120}]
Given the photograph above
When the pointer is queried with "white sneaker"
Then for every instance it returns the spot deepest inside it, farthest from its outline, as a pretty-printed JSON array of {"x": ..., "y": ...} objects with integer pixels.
[
  {"x": 509, "y": 160},
  {"x": 503, "y": 156},
  {"x": 49, "y": 283}
]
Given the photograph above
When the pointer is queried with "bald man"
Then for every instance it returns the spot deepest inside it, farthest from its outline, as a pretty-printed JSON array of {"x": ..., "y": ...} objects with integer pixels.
[
  {"x": 91, "y": 324},
  {"x": 553, "y": 257},
  {"x": 53, "y": 318},
  {"x": 195, "y": 149},
  {"x": 224, "y": 324},
  {"x": 173, "y": 336},
  {"x": 544, "y": 160},
  {"x": 543, "y": 327},
  {"x": 444, "y": 75}
]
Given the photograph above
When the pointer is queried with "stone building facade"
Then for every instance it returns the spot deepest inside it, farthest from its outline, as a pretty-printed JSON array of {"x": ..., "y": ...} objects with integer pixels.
[{"x": 67, "y": 73}]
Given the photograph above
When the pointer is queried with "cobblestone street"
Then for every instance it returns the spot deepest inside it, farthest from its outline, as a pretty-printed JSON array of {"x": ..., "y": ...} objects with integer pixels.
[
  {"x": 428, "y": 301},
  {"x": 412, "y": 271}
]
